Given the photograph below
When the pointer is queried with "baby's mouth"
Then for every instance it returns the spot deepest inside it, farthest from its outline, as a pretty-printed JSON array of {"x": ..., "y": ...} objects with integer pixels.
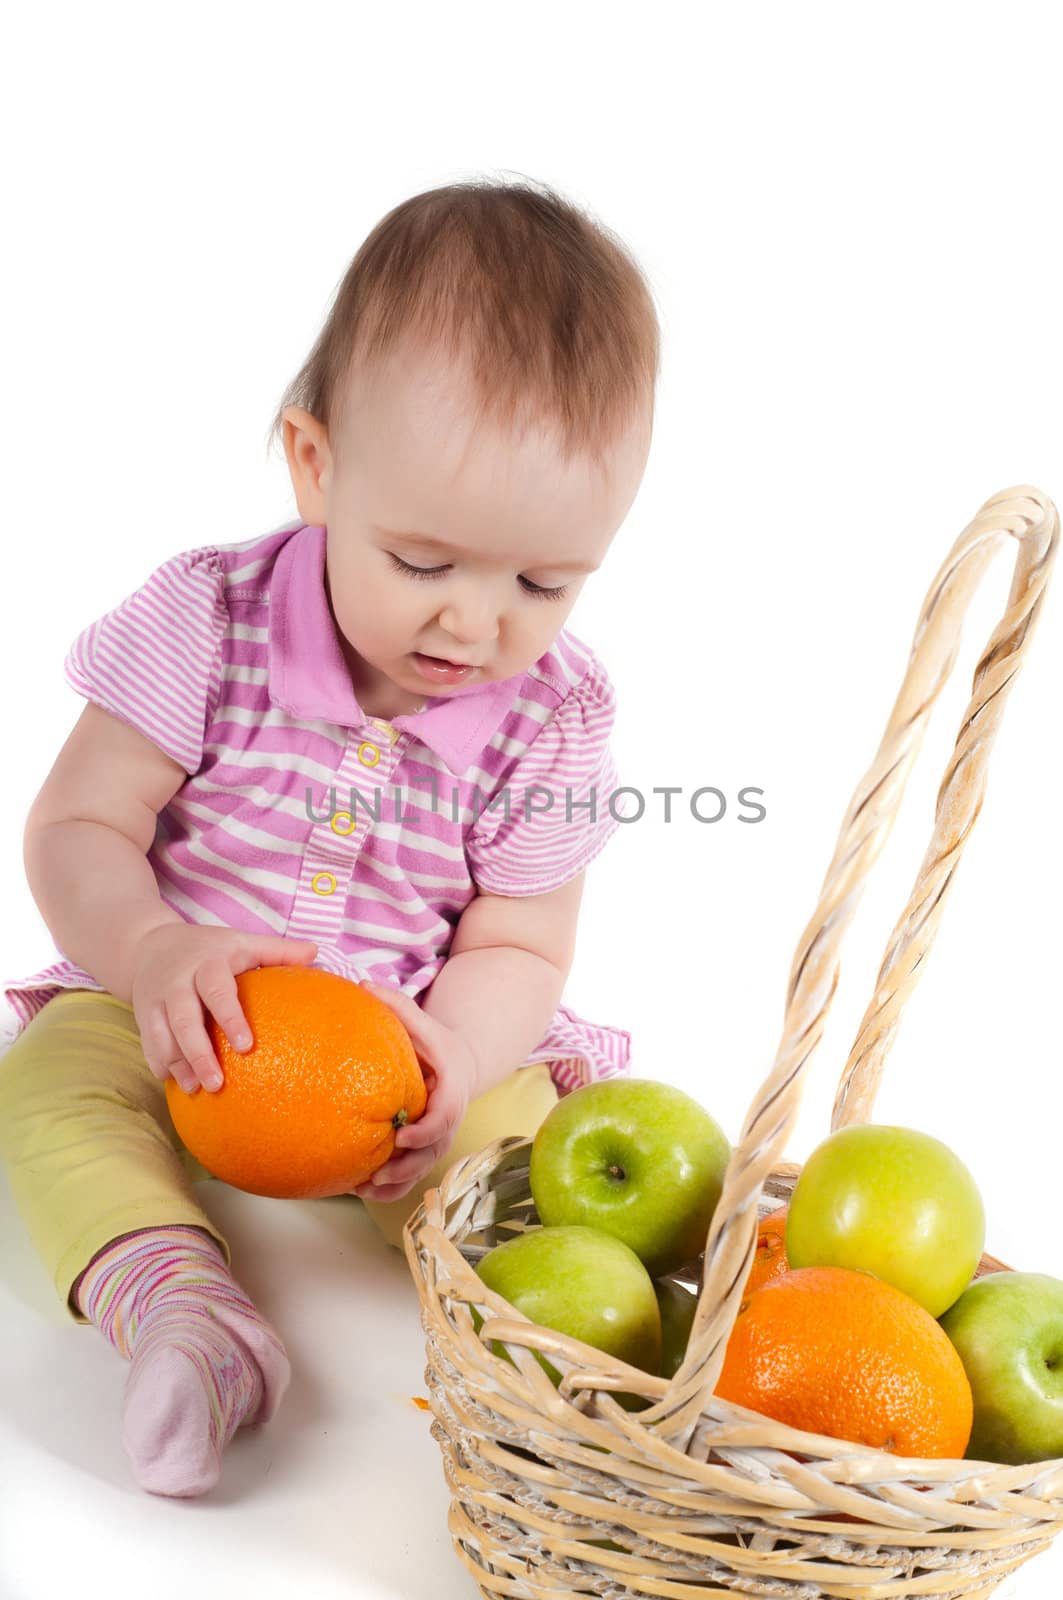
[{"x": 440, "y": 670}]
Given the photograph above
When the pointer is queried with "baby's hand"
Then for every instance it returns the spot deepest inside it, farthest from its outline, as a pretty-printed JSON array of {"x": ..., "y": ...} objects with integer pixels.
[
  {"x": 449, "y": 1069},
  {"x": 182, "y": 967}
]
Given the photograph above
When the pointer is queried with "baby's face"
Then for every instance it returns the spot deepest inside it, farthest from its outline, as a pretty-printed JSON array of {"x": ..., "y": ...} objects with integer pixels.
[{"x": 514, "y": 529}]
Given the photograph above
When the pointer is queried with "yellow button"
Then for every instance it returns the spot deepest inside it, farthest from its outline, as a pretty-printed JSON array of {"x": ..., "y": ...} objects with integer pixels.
[
  {"x": 385, "y": 727},
  {"x": 319, "y": 877},
  {"x": 339, "y": 818},
  {"x": 368, "y": 755}
]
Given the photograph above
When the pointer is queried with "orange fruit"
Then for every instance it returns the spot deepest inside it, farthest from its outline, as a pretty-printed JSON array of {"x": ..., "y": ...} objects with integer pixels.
[
  {"x": 770, "y": 1261},
  {"x": 840, "y": 1352},
  {"x": 312, "y": 1108}
]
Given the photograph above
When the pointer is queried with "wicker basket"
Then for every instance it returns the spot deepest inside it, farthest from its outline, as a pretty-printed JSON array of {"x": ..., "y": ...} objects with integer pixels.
[{"x": 561, "y": 1491}]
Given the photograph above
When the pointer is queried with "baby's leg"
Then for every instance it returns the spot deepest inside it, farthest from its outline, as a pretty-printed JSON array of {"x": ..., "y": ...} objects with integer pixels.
[{"x": 97, "y": 1175}]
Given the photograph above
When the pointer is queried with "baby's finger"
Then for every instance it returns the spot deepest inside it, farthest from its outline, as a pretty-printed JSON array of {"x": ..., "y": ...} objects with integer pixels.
[
  {"x": 397, "y": 1186},
  {"x": 162, "y": 1052},
  {"x": 372, "y": 1190},
  {"x": 444, "y": 1112},
  {"x": 425, "y": 1131},
  {"x": 403, "y": 1169},
  {"x": 422, "y": 1029},
  {"x": 393, "y": 1191},
  {"x": 277, "y": 951},
  {"x": 216, "y": 987},
  {"x": 185, "y": 1016},
  {"x": 178, "y": 1069}
]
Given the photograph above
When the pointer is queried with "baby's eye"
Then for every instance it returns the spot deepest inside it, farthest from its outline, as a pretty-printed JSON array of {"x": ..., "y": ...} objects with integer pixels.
[
  {"x": 535, "y": 589},
  {"x": 416, "y": 572}
]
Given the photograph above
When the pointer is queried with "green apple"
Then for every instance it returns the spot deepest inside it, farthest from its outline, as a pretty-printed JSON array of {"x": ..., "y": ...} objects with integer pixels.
[
  {"x": 633, "y": 1158},
  {"x": 586, "y": 1284},
  {"x": 894, "y": 1202},
  {"x": 1008, "y": 1330},
  {"x": 677, "y": 1306}
]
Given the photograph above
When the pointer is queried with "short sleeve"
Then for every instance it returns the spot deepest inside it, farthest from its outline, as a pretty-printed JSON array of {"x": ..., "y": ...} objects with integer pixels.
[
  {"x": 155, "y": 660},
  {"x": 556, "y": 809}
]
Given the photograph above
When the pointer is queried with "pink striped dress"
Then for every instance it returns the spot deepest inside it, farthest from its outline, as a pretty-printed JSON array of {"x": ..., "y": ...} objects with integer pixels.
[{"x": 303, "y": 817}]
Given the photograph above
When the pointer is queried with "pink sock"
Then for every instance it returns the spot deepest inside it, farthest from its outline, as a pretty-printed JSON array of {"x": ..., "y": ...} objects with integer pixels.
[{"x": 204, "y": 1362}]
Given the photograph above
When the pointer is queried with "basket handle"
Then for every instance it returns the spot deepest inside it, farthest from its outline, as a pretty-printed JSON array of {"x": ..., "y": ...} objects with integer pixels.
[{"x": 1028, "y": 516}]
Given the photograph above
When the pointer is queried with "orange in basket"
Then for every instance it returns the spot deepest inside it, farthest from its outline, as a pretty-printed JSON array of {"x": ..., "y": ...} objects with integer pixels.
[
  {"x": 313, "y": 1107},
  {"x": 843, "y": 1353},
  {"x": 770, "y": 1260}
]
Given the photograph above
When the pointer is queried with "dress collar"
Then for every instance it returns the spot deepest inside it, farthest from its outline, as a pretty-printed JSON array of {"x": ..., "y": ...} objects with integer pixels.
[{"x": 308, "y": 674}]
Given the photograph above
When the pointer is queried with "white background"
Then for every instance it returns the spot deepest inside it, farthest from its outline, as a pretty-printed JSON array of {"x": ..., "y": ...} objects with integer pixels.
[{"x": 850, "y": 221}]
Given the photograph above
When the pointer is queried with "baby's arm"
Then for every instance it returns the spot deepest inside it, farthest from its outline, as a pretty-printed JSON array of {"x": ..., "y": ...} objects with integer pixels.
[
  {"x": 487, "y": 1009},
  {"x": 502, "y": 980},
  {"x": 86, "y": 841}
]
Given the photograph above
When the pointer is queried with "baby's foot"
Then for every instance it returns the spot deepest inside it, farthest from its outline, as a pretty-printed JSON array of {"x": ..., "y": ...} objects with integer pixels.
[
  {"x": 192, "y": 1384},
  {"x": 204, "y": 1362}
]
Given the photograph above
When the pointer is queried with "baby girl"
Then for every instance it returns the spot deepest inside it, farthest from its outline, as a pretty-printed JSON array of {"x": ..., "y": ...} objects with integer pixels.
[{"x": 364, "y": 741}]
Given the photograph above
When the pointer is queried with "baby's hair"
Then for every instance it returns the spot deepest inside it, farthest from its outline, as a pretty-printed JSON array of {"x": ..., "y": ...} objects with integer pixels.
[{"x": 550, "y": 307}]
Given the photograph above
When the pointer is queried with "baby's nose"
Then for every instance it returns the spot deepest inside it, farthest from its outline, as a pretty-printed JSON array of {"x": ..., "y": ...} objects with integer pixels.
[{"x": 472, "y": 622}]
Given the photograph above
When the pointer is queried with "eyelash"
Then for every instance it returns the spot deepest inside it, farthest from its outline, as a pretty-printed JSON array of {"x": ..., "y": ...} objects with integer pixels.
[{"x": 536, "y": 590}]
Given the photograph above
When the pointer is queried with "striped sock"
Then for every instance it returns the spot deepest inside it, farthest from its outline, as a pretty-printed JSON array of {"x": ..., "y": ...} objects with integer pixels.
[{"x": 204, "y": 1362}]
